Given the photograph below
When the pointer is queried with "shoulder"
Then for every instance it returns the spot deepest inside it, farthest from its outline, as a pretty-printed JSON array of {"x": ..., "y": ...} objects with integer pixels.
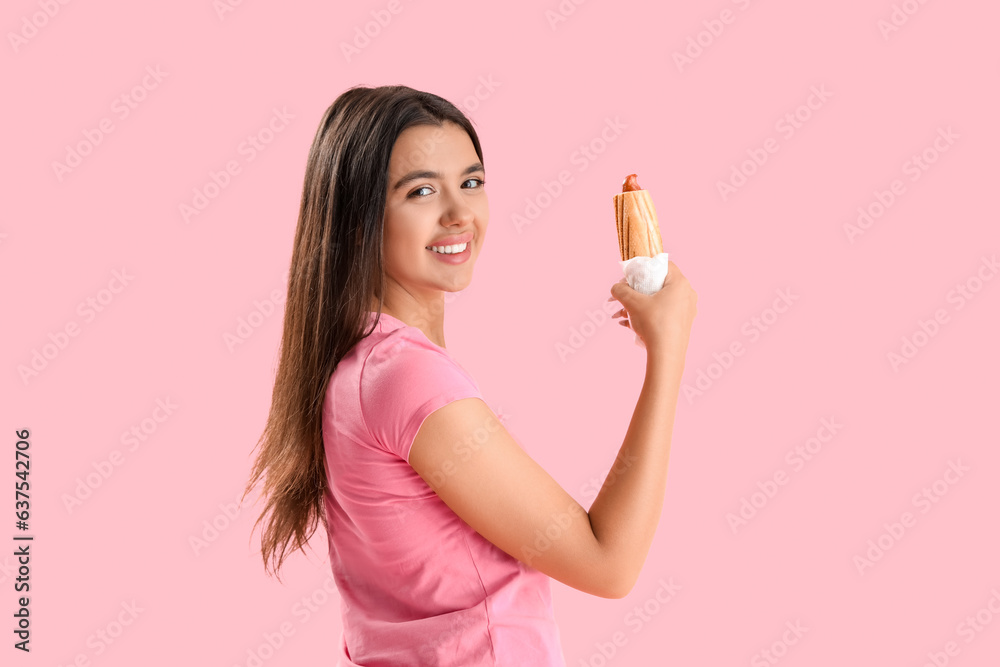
[
  {"x": 404, "y": 353},
  {"x": 404, "y": 378}
]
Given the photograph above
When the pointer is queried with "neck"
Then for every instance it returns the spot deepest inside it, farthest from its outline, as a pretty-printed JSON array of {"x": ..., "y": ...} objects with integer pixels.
[{"x": 425, "y": 313}]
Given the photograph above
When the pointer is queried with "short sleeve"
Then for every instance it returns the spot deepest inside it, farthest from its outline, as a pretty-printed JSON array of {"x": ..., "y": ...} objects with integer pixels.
[{"x": 403, "y": 380}]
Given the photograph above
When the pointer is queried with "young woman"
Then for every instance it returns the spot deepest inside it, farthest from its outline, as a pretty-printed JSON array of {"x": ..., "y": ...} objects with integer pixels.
[{"x": 442, "y": 532}]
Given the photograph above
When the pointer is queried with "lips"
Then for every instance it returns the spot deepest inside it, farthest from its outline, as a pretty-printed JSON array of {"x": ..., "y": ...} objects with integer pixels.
[{"x": 452, "y": 240}]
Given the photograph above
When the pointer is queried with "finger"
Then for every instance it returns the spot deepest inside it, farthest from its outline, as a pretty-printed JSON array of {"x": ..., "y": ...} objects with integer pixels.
[
  {"x": 673, "y": 273},
  {"x": 621, "y": 291}
]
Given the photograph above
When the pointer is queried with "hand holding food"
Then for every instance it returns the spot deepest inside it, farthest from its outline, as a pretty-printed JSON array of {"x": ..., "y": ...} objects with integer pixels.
[{"x": 646, "y": 269}]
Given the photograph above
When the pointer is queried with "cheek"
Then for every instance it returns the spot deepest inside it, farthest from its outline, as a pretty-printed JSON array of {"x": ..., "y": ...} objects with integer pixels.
[
  {"x": 402, "y": 247},
  {"x": 390, "y": 247}
]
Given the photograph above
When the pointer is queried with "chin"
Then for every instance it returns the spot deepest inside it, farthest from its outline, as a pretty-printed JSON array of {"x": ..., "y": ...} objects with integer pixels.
[{"x": 460, "y": 282}]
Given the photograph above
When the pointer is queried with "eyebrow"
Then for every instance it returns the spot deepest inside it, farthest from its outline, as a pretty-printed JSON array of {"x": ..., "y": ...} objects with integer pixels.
[{"x": 414, "y": 175}]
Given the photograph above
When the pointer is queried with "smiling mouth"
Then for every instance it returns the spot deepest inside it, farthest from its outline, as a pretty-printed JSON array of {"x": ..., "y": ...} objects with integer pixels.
[{"x": 449, "y": 249}]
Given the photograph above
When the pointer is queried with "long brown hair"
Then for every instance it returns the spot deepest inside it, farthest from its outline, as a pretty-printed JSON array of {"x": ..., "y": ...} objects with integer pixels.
[{"x": 336, "y": 271}]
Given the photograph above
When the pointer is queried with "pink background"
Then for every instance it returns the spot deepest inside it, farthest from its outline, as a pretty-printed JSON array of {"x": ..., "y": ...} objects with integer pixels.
[{"x": 538, "y": 91}]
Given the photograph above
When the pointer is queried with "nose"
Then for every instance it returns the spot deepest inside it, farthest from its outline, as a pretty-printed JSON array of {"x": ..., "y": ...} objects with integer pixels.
[{"x": 457, "y": 211}]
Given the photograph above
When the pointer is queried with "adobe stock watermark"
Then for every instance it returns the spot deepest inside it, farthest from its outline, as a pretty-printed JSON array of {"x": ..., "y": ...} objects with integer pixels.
[
  {"x": 562, "y": 12},
  {"x": 32, "y": 23},
  {"x": 963, "y": 293},
  {"x": 424, "y": 148},
  {"x": 266, "y": 649},
  {"x": 779, "y": 647},
  {"x": 429, "y": 650},
  {"x": 899, "y": 17},
  {"x": 405, "y": 509},
  {"x": 483, "y": 91},
  {"x": 303, "y": 609},
  {"x": 364, "y": 35},
  {"x": 558, "y": 525},
  {"x": 397, "y": 343},
  {"x": 249, "y": 149},
  {"x": 787, "y": 126},
  {"x": 212, "y": 528},
  {"x": 968, "y": 629},
  {"x": 753, "y": 329},
  {"x": 464, "y": 449},
  {"x": 132, "y": 439},
  {"x": 914, "y": 167},
  {"x": 224, "y": 7},
  {"x": 246, "y": 326},
  {"x": 122, "y": 107},
  {"x": 638, "y": 618},
  {"x": 796, "y": 457},
  {"x": 923, "y": 500},
  {"x": 313, "y": 603},
  {"x": 592, "y": 487},
  {"x": 703, "y": 39},
  {"x": 579, "y": 334},
  {"x": 560, "y": 522},
  {"x": 59, "y": 340},
  {"x": 434, "y": 309},
  {"x": 107, "y": 635},
  {"x": 581, "y": 158}
]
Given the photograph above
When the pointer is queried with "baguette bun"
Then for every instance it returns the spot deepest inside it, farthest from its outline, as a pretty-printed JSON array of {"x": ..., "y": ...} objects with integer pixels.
[{"x": 638, "y": 227}]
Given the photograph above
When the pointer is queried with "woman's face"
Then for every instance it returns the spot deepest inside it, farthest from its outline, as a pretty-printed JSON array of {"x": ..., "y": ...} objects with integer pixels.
[{"x": 435, "y": 198}]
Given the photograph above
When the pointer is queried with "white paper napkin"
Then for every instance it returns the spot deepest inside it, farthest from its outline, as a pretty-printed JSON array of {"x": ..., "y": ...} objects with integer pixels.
[{"x": 646, "y": 275}]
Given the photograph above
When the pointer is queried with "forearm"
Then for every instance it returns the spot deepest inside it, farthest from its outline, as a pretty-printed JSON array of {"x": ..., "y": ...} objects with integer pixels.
[{"x": 627, "y": 510}]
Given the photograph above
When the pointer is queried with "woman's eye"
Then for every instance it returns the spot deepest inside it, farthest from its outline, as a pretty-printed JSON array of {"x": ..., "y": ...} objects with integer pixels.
[{"x": 478, "y": 181}]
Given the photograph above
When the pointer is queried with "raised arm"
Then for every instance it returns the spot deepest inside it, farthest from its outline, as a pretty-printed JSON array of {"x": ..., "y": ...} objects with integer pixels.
[{"x": 474, "y": 465}]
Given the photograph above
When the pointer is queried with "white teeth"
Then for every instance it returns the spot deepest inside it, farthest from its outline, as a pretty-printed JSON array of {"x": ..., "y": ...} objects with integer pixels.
[{"x": 449, "y": 249}]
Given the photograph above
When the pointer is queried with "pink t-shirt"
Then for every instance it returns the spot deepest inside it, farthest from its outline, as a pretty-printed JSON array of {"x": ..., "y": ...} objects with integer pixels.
[{"x": 418, "y": 585}]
